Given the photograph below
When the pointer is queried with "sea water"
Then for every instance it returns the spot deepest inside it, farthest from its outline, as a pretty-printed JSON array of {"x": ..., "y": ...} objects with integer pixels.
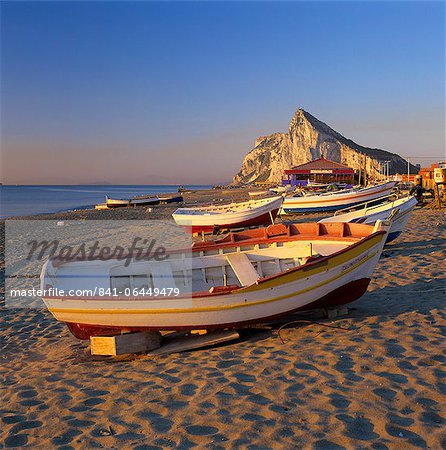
[{"x": 28, "y": 200}]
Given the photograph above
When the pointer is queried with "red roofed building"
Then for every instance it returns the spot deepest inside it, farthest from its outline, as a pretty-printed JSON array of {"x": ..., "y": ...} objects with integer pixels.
[{"x": 318, "y": 171}]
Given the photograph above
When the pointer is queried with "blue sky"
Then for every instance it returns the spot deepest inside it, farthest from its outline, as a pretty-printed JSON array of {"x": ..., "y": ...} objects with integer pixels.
[{"x": 146, "y": 92}]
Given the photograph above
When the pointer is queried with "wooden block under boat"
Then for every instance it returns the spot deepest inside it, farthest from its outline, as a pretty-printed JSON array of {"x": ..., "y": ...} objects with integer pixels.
[
  {"x": 139, "y": 342},
  {"x": 331, "y": 313}
]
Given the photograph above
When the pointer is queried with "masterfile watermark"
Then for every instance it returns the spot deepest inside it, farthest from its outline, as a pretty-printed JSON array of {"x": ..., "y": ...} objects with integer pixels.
[
  {"x": 99, "y": 259},
  {"x": 140, "y": 250},
  {"x": 96, "y": 292}
]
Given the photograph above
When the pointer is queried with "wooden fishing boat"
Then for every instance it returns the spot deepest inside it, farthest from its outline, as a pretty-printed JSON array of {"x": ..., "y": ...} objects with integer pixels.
[
  {"x": 171, "y": 198},
  {"x": 280, "y": 189},
  {"x": 326, "y": 187},
  {"x": 256, "y": 194},
  {"x": 313, "y": 185},
  {"x": 144, "y": 200},
  {"x": 334, "y": 200},
  {"x": 243, "y": 278},
  {"x": 233, "y": 215},
  {"x": 397, "y": 210},
  {"x": 116, "y": 202}
]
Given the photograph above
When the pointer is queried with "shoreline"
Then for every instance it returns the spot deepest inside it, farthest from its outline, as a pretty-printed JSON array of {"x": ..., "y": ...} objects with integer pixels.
[
  {"x": 88, "y": 198},
  {"x": 198, "y": 197}
]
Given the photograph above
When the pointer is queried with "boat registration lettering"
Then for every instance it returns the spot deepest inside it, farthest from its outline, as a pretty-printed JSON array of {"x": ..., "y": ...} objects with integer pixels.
[{"x": 355, "y": 261}]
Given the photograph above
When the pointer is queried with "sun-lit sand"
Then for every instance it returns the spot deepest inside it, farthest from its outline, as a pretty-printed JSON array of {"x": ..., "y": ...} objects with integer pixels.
[{"x": 379, "y": 384}]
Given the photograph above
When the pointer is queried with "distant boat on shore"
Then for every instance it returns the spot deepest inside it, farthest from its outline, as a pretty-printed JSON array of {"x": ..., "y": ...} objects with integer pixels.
[
  {"x": 324, "y": 187},
  {"x": 115, "y": 202},
  {"x": 255, "y": 194},
  {"x": 144, "y": 200},
  {"x": 171, "y": 198},
  {"x": 332, "y": 201},
  {"x": 233, "y": 215},
  {"x": 42, "y": 199},
  {"x": 398, "y": 211}
]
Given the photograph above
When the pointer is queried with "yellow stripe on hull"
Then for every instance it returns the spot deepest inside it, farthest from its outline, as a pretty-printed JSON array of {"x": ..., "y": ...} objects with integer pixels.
[{"x": 326, "y": 265}]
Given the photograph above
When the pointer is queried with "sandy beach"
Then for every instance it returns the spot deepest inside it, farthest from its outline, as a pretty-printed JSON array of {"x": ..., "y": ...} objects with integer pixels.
[{"x": 374, "y": 379}]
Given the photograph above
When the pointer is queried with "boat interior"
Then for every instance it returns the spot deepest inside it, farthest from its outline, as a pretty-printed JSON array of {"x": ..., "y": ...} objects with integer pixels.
[
  {"x": 236, "y": 260},
  {"x": 390, "y": 205},
  {"x": 231, "y": 207},
  {"x": 383, "y": 202}
]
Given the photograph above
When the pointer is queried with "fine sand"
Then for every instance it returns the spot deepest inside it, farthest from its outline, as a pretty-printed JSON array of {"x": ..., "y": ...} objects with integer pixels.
[{"x": 375, "y": 379}]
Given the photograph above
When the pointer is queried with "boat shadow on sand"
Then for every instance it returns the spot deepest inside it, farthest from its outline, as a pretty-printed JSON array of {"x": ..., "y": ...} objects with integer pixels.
[
  {"x": 390, "y": 303},
  {"x": 375, "y": 307},
  {"x": 422, "y": 247}
]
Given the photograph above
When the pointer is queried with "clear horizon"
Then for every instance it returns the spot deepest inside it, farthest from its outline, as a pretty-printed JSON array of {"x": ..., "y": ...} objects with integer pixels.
[{"x": 177, "y": 93}]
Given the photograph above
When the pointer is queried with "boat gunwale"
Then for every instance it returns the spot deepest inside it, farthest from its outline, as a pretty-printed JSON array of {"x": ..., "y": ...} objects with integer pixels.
[
  {"x": 350, "y": 190},
  {"x": 212, "y": 207},
  {"x": 255, "y": 240},
  {"x": 375, "y": 209}
]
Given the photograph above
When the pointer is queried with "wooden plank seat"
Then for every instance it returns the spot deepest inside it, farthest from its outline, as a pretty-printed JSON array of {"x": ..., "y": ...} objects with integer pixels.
[
  {"x": 162, "y": 275},
  {"x": 243, "y": 268}
]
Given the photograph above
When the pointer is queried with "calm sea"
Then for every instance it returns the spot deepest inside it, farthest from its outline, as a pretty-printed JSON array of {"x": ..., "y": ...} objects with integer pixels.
[{"x": 26, "y": 200}]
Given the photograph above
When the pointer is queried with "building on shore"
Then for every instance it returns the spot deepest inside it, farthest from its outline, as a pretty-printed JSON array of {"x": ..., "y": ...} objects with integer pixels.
[
  {"x": 428, "y": 177},
  {"x": 318, "y": 171}
]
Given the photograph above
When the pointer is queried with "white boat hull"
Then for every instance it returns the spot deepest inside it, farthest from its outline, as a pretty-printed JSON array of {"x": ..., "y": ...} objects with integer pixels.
[
  {"x": 334, "y": 201},
  {"x": 254, "y": 212},
  {"x": 399, "y": 211}
]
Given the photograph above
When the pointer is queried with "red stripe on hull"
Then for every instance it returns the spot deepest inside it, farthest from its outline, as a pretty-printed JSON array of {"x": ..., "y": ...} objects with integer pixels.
[
  {"x": 264, "y": 219},
  {"x": 345, "y": 294}
]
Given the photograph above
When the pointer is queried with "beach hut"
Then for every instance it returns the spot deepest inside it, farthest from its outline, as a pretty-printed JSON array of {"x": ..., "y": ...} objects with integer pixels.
[{"x": 318, "y": 171}]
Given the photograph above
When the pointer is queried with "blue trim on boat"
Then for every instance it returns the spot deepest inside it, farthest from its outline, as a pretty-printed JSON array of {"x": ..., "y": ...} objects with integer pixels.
[{"x": 297, "y": 209}]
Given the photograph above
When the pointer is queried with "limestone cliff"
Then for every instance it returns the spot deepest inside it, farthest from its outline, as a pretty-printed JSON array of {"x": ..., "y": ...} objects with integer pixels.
[{"x": 307, "y": 139}]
